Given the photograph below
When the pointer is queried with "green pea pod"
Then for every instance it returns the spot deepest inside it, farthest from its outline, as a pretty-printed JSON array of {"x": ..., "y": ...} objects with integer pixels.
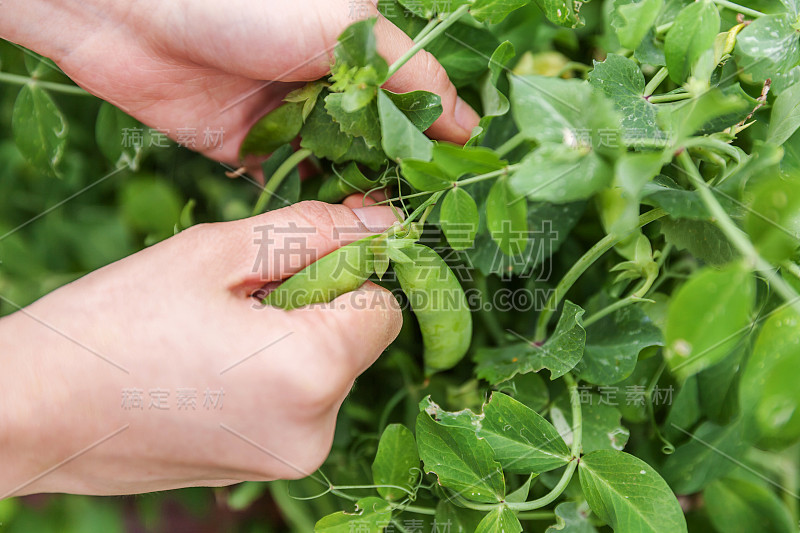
[
  {"x": 349, "y": 180},
  {"x": 440, "y": 304},
  {"x": 341, "y": 271}
]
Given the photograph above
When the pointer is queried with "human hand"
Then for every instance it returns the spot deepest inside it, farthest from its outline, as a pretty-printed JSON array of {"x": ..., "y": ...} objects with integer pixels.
[
  {"x": 196, "y": 64},
  {"x": 178, "y": 316}
]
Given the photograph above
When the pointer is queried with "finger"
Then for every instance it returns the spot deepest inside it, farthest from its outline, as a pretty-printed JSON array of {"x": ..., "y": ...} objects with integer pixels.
[
  {"x": 423, "y": 72},
  {"x": 275, "y": 245},
  {"x": 360, "y": 324},
  {"x": 357, "y": 200}
]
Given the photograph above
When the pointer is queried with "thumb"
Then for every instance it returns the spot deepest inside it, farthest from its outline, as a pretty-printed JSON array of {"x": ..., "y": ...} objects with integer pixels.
[{"x": 423, "y": 72}]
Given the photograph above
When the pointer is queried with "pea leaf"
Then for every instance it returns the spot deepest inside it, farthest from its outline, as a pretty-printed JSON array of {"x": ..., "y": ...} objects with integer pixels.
[
  {"x": 322, "y": 135},
  {"x": 706, "y": 457},
  {"x": 493, "y": 100},
  {"x": 707, "y": 317},
  {"x": 396, "y": 463},
  {"x": 421, "y": 107},
  {"x": 562, "y": 12},
  {"x": 623, "y": 83},
  {"x": 766, "y": 395},
  {"x": 559, "y": 354},
  {"x": 463, "y": 51},
  {"x": 507, "y": 218},
  {"x": 457, "y": 161},
  {"x": 278, "y": 127},
  {"x": 500, "y": 520},
  {"x": 712, "y": 111},
  {"x": 692, "y": 33},
  {"x": 360, "y": 123},
  {"x": 773, "y": 220},
  {"x": 632, "y": 20},
  {"x": 613, "y": 345},
  {"x": 701, "y": 238},
  {"x": 358, "y": 151},
  {"x": 494, "y": 11},
  {"x": 371, "y": 516},
  {"x": 424, "y": 175},
  {"x": 110, "y": 129},
  {"x": 459, "y": 218},
  {"x": 40, "y": 129},
  {"x": 357, "y": 47},
  {"x": 740, "y": 506},
  {"x": 785, "y": 116},
  {"x": 460, "y": 460},
  {"x": 400, "y": 138},
  {"x": 767, "y": 45},
  {"x": 628, "y": 495},
  {"x": 529, "y": 389},
  {"x": 571, "y": 517},
  {"x": 307, "y": 95}
]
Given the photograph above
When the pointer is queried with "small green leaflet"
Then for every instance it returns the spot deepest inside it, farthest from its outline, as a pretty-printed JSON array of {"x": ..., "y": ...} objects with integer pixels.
[
  {"x": 493, "y": 101},
  {"x": 360, "y": 123},
  {"x": 692, "y": 33},
  {"x": 701, "y": 238},
  {"x": 425, "y": 175},
  {"x": 562, "y": 351},
  {"x": 632, "y": 20},
  {"x": 785, "y": 117},
  {"x": 460, "y": 460},
  {"x": 307, "y": 95},
  {"x": 740, "y": 506},
  {"x": 501, "y": 520},
  {"x": 707, "y": 317},
  {"x": 400, "y": 138},
  {"x": 507, "y": 218},
  {"x": 494, "y": 11},
  {"x": 459, "y": 218},
  {"x": 767, "y": 45},
  {"x": 322, "y": 135},
  {"x": 371, "y": 516},
  {"x": 278, "y": 127},
  {"x": 628, "y": 494},
  {"x": 40, "y": 129},
  {"x": 457, "y": 161},
  {"x": 571, "y": 517},
  {"x": 109, "y": 130},
  {"x": 396, "y": 463},
  {"x": 421, "y": 107}
]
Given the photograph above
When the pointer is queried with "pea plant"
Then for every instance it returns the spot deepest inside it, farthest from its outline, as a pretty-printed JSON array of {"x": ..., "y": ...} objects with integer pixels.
[{"x": 635, "y": 174}]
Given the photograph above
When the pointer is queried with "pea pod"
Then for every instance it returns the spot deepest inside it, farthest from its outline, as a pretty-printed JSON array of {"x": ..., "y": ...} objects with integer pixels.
[
  {"x": 440, "y": 305},
  {"x": 341, "y": 271},
  {"x": 348, "y": 181}
]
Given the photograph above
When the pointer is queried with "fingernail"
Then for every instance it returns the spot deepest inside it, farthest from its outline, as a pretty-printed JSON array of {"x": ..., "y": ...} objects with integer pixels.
[
  {"x": 466, "y": 117},
  {"x": 377, "y": 218}
]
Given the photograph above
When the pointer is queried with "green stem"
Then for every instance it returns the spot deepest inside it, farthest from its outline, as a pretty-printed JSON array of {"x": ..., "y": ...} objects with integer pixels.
[
  {"x": 655, "y": 81},
  {"x": 537, "y": 515},
  {"x": 423, "y": 207},
  {"x": 792, "y": 268},
  {"x": 736, "y": 236},
  {"x": 663, "y": 28},
  {"x": 414, "y": 509},
  {"x": 616, "y": 306},
  {"x": 430, "y": 36},
  {"x": 489, "y": 175},
  {"x": 53, "y": 86},
  {"x": 277, "y": 178},
  {"x": 427, "y": 29},
  {"x": 714, "y": 145},
  {"x": 581, "y": 265},
  {"x": 741, "y": 9},
  {"x": 674, "y": 97},
  {"x": 510, "y": 144}
]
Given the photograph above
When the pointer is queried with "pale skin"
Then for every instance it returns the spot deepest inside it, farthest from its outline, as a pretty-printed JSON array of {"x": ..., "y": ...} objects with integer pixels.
[{"x": 180, "y": 315}]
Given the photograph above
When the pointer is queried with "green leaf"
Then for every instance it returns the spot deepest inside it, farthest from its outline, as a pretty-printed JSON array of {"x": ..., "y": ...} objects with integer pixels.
[
  {"x": 361, "y": 123},
  {"x": 623, "y": 83},
  {"x": 571, "y": 517},
  {"x": 562, "y": 12},
  {"x": 463, "y": 50},
  {"x": 400, "y": 137},
  {"x": 421, "y": 107},
  {"x": 457, "y": 161},
  {"x": 371, "y": 516},
  {"x": 278, "y": 127},
  {"x": 322, "y": 135},
  {"x": 559, "y": 174},
  {"x": 710, "y": 454},
  {"x": 424, "y": 175},
  {"x": 559, "y": 354},
  {"x": 769, "y": 44},
  {"x": 359, "y": 152},
  {"x": 767, "y": 392},
  {"x": 523, "y": 491},
  {"x": 459, "y": 218},
  {"x": 773, "y": 220},
  {"x": 40, "y": 129},
  {"x": 613, "y": 345},
  {"x": 288, "y": 192},
  {"x": 494, "y": 11},
  {"x": 530, "y": 389},
  {"x": 307, "y": 95},
  {"x": 460, "y": 460},
  {"x": 500, "y": 520},
  {"x": 507, "y": 218},
  {"x": 708, "y": 315},
  {"x": 712, "y": 111},
  {"x": 633, "y": 20},
  {"x": 785, "y": 116},
  {"x": 740, "y": 506},
  {"x": 522, "y": 441},
  {"x": 357, "y": 47},
  {"x": 396, "y": 463},
  {"x": 628, "y": 495},
  {"x": 692, "y": 33},
  {"x": 110, "y": 133},
  {"x": 663, "y": 192},
  {"x": 701, "y": 238}
]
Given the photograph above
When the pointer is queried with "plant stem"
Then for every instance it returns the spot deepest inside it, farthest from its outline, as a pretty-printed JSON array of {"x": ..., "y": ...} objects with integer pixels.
[
  {"x": 741, "y": 9},
  {"x": 277, "y": 178},
  {"x": 736, "y": 236},
  {"x": 655, "y": 81},
  {"x": 581, "y": 265},
  {"x": 430, "y": 36},
  {"x": 510, "y": 144},
  {"x": 616, "y": 306},
  {"x": 674, "y": 97},
  {"x": 537, "y": 515},
  {"x": 427, "y": 29},
  {"x": 489, "y": 175},
  {"x": 663, "y": 28},
  {"x": 414, "y": 509},
  {"x": 53, "y": 86}
]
